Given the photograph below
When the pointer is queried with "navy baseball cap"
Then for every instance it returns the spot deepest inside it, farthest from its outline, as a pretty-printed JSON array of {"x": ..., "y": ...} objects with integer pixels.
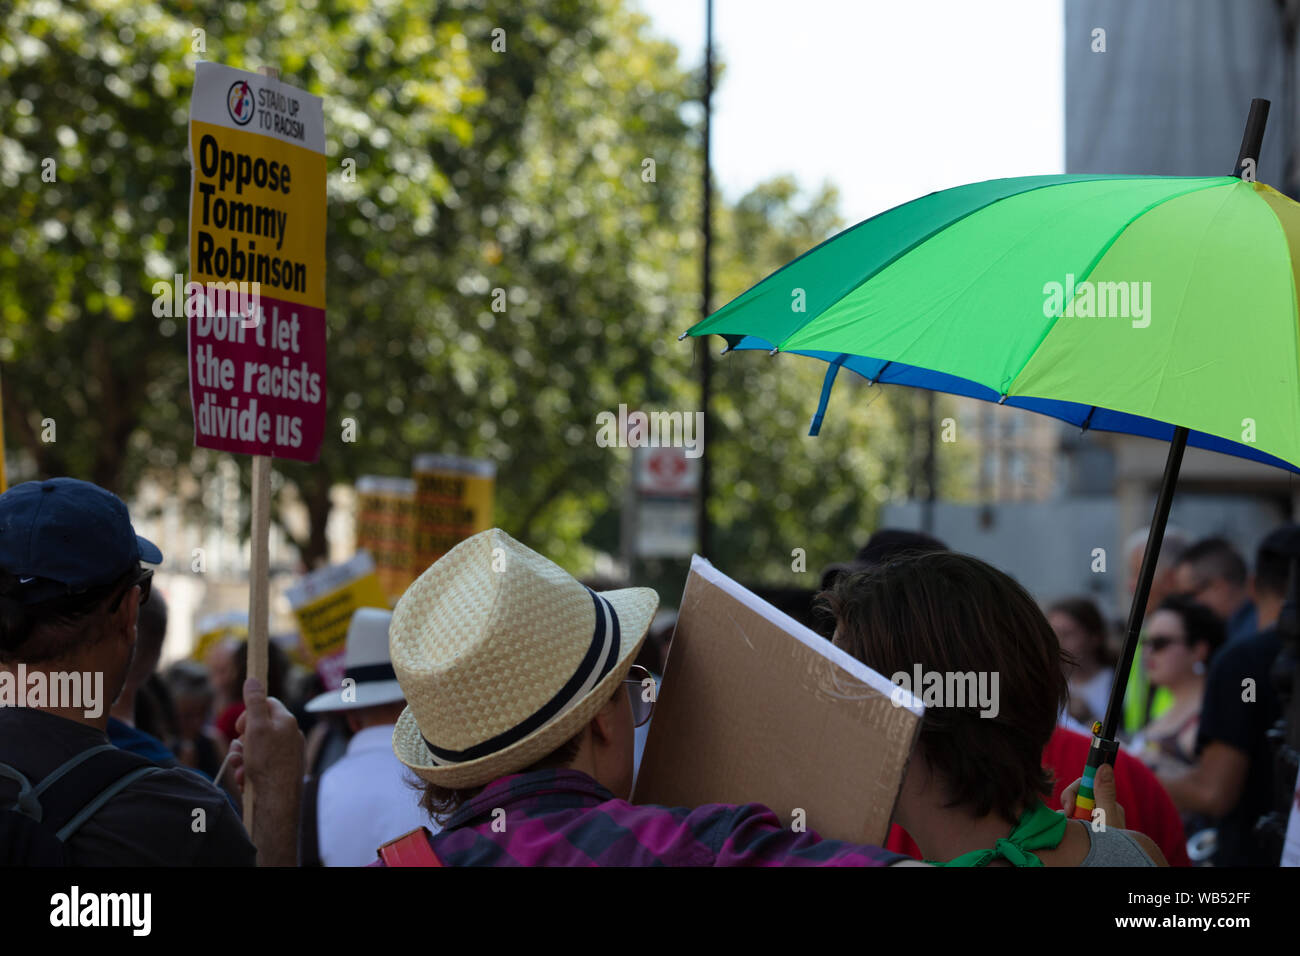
[{"x": 64, "y": 536}]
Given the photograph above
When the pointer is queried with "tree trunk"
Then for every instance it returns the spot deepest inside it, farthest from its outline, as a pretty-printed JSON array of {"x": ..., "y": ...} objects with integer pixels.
[{"x": 316, "y": 493}]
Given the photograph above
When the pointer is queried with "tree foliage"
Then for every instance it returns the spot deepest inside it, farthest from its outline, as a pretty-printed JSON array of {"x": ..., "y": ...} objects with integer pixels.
[{"x": 562, "y": 170}]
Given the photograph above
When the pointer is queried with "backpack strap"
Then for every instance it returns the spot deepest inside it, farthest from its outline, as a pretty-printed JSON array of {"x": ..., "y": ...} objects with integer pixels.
[
  {"x": 25, "y": 802},
  {"x": 410, "y": 849},
  {"x": 63, "y": 801}
]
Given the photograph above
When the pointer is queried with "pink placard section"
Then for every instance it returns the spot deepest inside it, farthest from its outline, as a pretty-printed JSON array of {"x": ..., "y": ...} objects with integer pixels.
[{"x": 257, "y": 385}]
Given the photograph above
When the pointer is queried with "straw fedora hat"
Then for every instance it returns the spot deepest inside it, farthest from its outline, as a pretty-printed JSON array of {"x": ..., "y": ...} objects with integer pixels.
[
  {"x": 366, "y": 663},
  {"x": 503, "y": 657}
]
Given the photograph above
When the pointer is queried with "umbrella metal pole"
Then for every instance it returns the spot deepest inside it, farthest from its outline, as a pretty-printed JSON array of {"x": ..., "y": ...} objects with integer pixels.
[
  {"x": 702, "y": 531},
  {"x": 1164, "y": 500},
  {"x": 1104, "y": 743}
]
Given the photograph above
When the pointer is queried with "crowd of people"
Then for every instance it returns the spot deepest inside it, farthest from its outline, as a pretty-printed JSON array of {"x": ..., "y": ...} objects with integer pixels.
[{"x": 497, "y": 718}]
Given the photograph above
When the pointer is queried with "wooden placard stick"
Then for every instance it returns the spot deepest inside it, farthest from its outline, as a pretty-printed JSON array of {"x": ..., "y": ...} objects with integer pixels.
[{"x": 259, "y": 603}]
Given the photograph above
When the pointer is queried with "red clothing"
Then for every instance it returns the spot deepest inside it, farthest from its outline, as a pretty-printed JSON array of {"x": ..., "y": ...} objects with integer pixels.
[
  {"x": 225, "y": 722},
  {"x": 1147, "y": 807}
]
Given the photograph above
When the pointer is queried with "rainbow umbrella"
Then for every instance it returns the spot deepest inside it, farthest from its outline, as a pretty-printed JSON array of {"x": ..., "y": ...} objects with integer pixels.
[{"x": 1150, "y": 305}]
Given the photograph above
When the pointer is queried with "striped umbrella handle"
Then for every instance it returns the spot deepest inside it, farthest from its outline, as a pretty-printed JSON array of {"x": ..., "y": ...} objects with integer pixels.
[{"x": 1101, "y": 751}]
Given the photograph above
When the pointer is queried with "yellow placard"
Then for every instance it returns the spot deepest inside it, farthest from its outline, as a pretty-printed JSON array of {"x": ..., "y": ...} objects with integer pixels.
[
  {"x": 209, "y": 639},
  {"x": 324, "y": 620},
  {"x": 386, "y": 528},
  {"x": 243, "y": 231},
  {"x": 453, "y": 500}
]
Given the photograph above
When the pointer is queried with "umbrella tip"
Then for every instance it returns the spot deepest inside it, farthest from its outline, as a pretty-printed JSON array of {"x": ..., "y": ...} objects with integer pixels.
[
  {"x": 1003, "y": 399},
  {"x": 774, "y": 351},
  {"x": 725, "y": 350},
  {"x": 683, "y": 335}
]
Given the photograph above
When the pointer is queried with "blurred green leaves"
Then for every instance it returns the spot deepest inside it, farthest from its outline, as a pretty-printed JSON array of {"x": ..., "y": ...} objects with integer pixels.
[{"x": 476, "y": 170}]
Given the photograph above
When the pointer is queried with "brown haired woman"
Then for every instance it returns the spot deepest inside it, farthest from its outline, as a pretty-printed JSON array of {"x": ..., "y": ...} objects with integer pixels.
[
  {"x": 1081, "y": 631},
  {"x": 974, "y": 789}
]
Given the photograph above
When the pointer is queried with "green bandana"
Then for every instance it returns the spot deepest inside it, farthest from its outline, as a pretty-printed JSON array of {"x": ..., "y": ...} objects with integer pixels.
[{"x": 1039, "y": 828}]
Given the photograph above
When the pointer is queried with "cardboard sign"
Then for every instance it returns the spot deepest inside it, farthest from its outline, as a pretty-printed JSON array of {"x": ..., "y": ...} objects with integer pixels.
[
  {"x": 756, "y": 708},
  {"x": 255, "y": 303},
  {"x": 325, "y": 600},
  {"x": 386, "y": 528},
  {"x": 453, "y": 500}
]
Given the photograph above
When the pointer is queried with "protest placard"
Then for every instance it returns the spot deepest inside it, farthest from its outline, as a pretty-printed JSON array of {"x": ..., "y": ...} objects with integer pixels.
[
  {"x": 453, "y": 500},
  {"x": 756, "y": 708},
  {"x": 212, "y": 629},
  {"x": 255, "y": 303},
  {"x": 324, "y": 602},
  {"x": 386, "y": 528},
  {"x": 256, "y": 316}
]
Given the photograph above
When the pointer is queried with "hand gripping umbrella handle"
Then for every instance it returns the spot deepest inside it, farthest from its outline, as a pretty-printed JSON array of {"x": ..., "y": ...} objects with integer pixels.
[{"x": 1101, "y": 751}]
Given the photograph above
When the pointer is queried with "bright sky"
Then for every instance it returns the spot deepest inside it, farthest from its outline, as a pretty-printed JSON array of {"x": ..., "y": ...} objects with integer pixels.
[{"x": 888, "y": 100}]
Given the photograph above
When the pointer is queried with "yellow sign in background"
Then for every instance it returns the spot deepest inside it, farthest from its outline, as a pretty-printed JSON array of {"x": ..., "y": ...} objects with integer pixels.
[
  {"x": 324, "y": 620},
  {"x": 303, "y": 239},
  {"x": 386, "y": 528},
  {"x": 453, "y": 500}
]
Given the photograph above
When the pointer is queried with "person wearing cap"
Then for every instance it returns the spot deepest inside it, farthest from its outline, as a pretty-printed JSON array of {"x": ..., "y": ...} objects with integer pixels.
[
  {"x": 364, "y": 798},
  {"x": 520, "y": 721},
  {"x": 1232, "y": 779},
  {"x": 71, "y": 586}
]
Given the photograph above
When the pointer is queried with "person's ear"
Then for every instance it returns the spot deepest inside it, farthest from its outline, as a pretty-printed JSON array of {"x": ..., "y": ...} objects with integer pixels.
[
  {"x": 128, "y": 615},
  {"x": 604, "y": 725}
]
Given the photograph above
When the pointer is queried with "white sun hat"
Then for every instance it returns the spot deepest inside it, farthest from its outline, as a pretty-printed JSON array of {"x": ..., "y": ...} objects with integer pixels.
[
  {"x": 503, "y": 657},
  {"x": 367, "y": 664}
]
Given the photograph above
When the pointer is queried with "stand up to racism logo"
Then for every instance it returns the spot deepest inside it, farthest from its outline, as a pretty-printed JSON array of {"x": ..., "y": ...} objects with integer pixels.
[{"x": 240, "y": 102}]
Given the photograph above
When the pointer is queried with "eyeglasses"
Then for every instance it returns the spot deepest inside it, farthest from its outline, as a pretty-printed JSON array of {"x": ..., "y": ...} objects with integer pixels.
[
  {"x": 642, "y": 692},
  {"x": 144, "y": 581},
  {"x": 1160, "y": 643}
]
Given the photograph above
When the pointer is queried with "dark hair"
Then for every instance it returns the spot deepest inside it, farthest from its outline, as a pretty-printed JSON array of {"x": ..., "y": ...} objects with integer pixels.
[
  {"x": 1085, "y": 613},
  {"x": 50, "y": 630},
  {"x": 187, "y": 678},
  {"x": 277, "y": 670},
  {"x": 150, "y": 631},
  {"x": 1273, "y": 560},
  {"x": 883, "y": 545},
  {"x": 1216, "y": 558},
  {"x": 888, "y": 543},
  {"x": 440, "y": 803},
  {"x": 1200, "y": 624},
  {"x": 953, "y": 613}
]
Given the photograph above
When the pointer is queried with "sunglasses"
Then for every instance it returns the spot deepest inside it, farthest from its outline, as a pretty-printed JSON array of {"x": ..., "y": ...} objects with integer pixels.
[
  {"x": 642, "y": 692},
  {"x": 1160, "y": 643},
  {"x": 144, "y": 580}
]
